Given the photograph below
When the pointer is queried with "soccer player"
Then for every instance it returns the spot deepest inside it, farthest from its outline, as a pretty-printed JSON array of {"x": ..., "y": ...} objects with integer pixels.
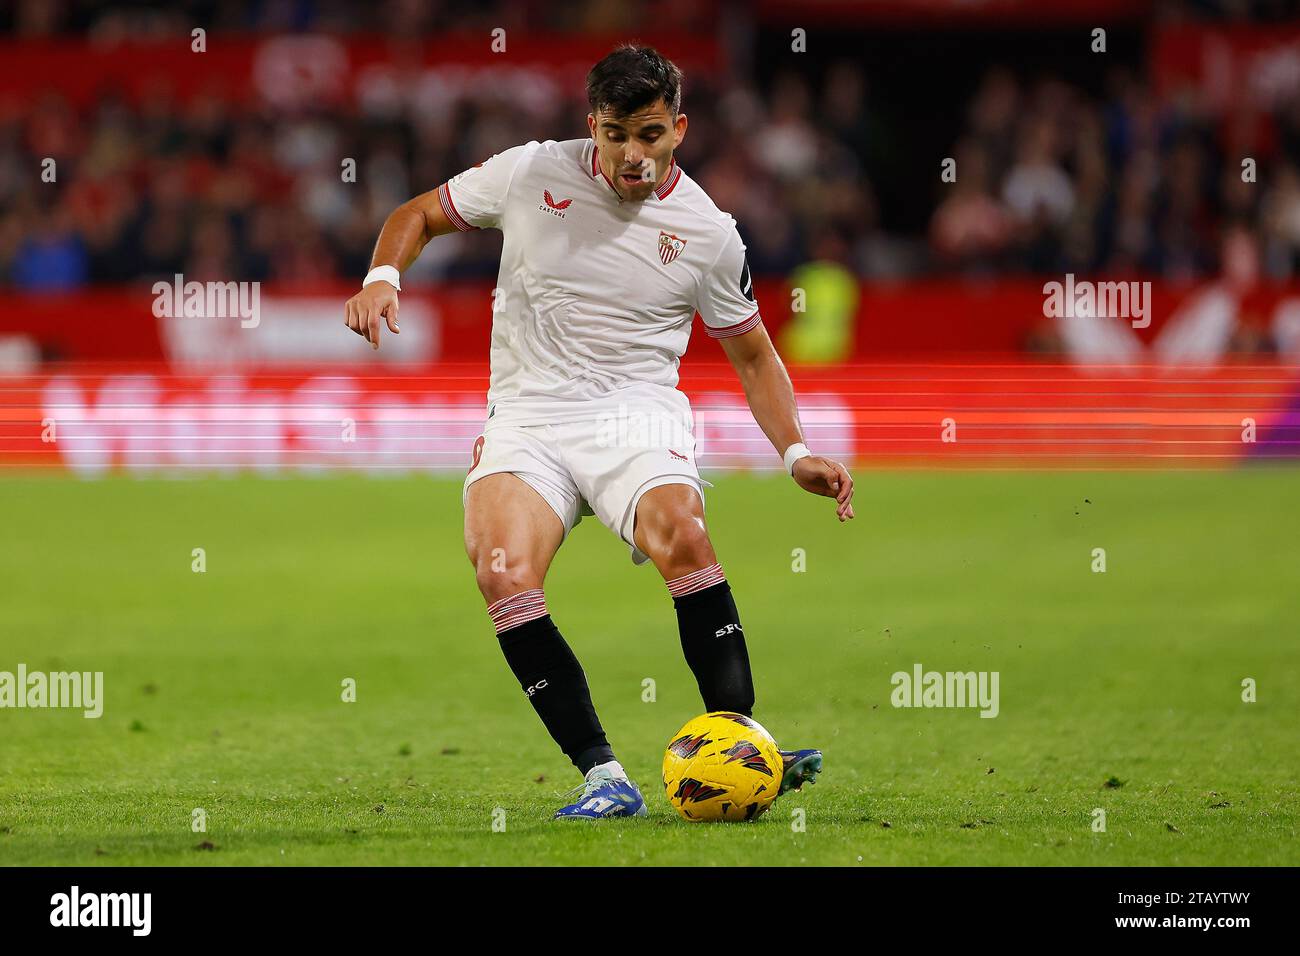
[{"x": 609, "y": 251}]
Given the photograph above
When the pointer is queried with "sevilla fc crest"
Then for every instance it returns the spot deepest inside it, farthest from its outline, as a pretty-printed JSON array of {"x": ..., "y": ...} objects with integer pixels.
[{"x": 670, "y": 247}]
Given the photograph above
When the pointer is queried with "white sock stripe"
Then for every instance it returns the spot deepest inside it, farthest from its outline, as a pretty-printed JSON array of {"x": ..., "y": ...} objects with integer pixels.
[
  {"x": 687, "y": 578},
  {"x": 529, "y": 595},
  {"x": 506, "y": 612},
  {"x": 507, "y": 623},
  {"x": 696, "y": 581},
  {"x": 517, "y": 609},
  {"x": 690, "y": 580}
]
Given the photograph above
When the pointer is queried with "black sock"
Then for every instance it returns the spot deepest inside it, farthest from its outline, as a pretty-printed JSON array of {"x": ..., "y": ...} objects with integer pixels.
[
  {"x": 557, "y": 688},
  {"x": 714, "y": 645}
]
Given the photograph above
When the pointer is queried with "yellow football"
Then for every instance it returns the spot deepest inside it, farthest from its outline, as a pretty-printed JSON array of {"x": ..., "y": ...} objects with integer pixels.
[{"x": 722, "y": 766}]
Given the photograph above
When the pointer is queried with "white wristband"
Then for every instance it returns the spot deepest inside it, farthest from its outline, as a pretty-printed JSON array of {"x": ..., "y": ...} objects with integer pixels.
[
  {"x": 794, "y": 453},
  {"x": 387, "y": 274}
]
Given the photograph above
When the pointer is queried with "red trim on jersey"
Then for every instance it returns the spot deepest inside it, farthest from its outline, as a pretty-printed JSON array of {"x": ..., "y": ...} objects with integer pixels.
[
  {"x": 595, "y": 168},
  {"x": 449, "y": 207},
  {"x": 670, "y": 181},
  {"x": 750, "y": 323},
  {"x": 674, "y": 175}
]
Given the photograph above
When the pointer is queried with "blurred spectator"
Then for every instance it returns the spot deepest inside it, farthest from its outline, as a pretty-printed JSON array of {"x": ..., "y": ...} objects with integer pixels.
[
  {"x": 971, "y": 229},
  {"x": 821, "y": 328},
  {"x": 52, "y": 256}
]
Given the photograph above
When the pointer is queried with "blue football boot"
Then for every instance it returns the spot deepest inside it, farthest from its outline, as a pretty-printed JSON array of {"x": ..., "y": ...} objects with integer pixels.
[
  {"x": 604, "y": 794},
  {"x": 801, "y": 766}
]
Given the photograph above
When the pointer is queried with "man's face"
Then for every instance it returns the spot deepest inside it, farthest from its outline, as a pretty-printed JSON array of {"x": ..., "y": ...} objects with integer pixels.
[{"x": 624, "y": 142}]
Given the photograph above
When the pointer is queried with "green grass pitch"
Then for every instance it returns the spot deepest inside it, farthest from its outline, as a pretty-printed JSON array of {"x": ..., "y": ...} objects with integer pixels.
[{"x": 223, "y": 688}]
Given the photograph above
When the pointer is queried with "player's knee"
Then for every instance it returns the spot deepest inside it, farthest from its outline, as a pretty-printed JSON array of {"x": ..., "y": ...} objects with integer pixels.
[
  {"x": 680, "y": 543},
  {"x": 497, "y": 580}
]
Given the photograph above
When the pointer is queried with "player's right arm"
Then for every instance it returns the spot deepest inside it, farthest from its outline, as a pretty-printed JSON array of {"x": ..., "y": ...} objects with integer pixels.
[
  {"x": 406, "y": 232},
  {"x": 475, "y": 199}
]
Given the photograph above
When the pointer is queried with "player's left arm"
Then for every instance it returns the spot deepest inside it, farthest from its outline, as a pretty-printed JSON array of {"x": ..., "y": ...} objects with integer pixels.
[{"x": 771, "y": 398}]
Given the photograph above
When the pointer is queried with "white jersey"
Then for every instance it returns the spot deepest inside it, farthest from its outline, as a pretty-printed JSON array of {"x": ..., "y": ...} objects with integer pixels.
[{"x": 595, "y": 297}]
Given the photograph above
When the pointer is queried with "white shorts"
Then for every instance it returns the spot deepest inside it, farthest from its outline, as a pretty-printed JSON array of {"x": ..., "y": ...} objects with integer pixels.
[{"x": 589, "y": 468}]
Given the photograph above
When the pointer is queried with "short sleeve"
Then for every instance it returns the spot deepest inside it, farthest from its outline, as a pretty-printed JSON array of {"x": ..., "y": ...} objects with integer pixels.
[
  {"x": 727, "y": 302},
  {"x": 476, "y": 198}
]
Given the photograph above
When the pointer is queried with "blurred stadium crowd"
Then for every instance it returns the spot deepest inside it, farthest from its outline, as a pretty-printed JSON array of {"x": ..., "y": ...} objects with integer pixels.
[{"x": 1050, "y": 178}]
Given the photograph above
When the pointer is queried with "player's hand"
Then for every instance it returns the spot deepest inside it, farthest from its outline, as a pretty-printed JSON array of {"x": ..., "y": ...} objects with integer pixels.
[
  {"x": 822, "y": 476},
  {"x": 367, "y": 311}
]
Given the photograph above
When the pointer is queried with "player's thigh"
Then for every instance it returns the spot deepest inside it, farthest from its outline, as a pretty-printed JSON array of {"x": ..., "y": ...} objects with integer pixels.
[
  {"x": 511, "y": 534},
  {"x": 668, "y": 526},
  {"x": 614, "y": 469}
]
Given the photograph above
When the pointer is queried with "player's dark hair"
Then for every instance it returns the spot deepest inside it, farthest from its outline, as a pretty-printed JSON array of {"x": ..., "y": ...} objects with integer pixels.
[{"x": 631, "y": 78}]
